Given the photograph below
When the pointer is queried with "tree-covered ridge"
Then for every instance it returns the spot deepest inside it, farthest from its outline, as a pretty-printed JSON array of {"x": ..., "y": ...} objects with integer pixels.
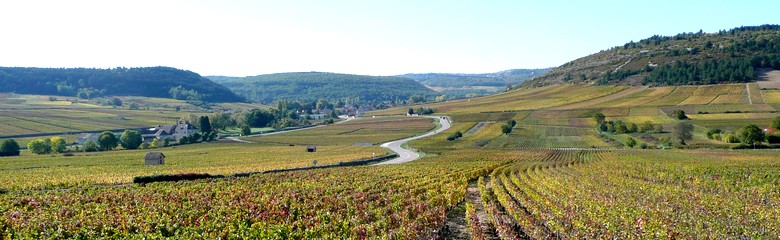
[
  {"x": 312, "y": 86},
  {"x": 163, "y": 82},
  {"x": 498, "y": 79},
  {"x": 727, "y": 56}
]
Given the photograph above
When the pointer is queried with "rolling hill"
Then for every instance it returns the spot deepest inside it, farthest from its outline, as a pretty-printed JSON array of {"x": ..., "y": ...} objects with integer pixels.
[
  {"x": 162, "y": 82},
  {"x": 310, "y": 86},
  {"x": 457, "y": 80},
  {"x": 729, "y": 56},
  {"x": 459, "y": 85}
]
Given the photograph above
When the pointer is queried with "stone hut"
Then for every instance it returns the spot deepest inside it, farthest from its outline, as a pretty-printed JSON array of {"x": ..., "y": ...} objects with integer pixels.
[{"x": 154, "y": 158}]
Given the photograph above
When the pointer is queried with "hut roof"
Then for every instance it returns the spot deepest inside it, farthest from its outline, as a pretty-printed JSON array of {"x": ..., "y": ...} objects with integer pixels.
[{"x": 154, "y": 155}]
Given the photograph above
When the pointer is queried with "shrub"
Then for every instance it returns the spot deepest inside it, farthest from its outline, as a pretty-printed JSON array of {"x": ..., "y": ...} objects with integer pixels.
[
  {"x": 90, "y": 146},
  {"x": 452, "y": 137},
  {"x": 174, "y": 177},
  {"x": 711, "y": 133},
  {"x": 630, "y": 142},
  {"x": 680, "y": 115},
  {"x": 9, "y": 147},
  {"x": 39, "y": 146},
  {"x": 58, "y": 145},
  {"x": 773, "y": 138}
]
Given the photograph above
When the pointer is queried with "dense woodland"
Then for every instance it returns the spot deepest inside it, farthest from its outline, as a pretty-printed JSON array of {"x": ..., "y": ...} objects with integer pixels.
[
  {"x": 312, "y": 86},
  {"x": 163, "y": 82}
]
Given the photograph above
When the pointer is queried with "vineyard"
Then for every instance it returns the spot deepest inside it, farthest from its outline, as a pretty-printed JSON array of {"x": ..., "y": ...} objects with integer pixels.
[
  {"x": 372, "y": 130},
  {"x": 119, "y": 167},
  {"x": 399, "y": 201},
  {"x": 630, "y": 194}
]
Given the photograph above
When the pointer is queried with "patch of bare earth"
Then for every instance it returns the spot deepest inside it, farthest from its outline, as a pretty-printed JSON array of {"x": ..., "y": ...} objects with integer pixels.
[{"x": 769, "y": 79}]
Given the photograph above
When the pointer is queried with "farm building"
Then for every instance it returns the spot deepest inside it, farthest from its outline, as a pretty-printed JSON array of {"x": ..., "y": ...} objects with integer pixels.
[
  {"x": 311, "y": 148},
  {"x": 174, "y": 131},
  {"x": 154, "y": 158}
]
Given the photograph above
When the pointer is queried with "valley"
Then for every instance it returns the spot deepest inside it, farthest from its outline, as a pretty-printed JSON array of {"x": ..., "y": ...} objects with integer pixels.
[{"x": 602, "y": 147}]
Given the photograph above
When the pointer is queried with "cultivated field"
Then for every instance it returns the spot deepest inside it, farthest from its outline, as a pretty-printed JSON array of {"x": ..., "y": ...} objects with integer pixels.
[
  {"x": 553, "y": 176},
  {"x": 363, "y": 130},
  {"x": 119, "y": 167},
  {"x": 629, "y": 194},
  {"x": 35, "y": 114}
]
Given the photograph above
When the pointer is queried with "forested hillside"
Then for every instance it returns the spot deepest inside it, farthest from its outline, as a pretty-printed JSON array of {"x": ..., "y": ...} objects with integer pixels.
[
  {"x": 311, "y": 86},
  {"x": 498, "y": 79},
  {"x": 728, "y": 56},
  {"x": 163, "y": 82}
]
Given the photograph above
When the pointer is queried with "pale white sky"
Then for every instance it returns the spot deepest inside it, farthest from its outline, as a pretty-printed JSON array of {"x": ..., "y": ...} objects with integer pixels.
[{"x": 245, "y": 38}]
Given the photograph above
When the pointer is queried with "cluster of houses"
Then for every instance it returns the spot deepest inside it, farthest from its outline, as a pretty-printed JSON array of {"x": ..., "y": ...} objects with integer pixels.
[{"x": 174, "y": 132}]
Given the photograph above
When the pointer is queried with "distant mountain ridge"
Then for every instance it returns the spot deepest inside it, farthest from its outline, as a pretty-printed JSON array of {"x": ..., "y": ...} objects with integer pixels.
[
  {"x": 458, "y": 80},
  {"x": 164, "y": 82},
  {"x": 728, "y": 56},
  {"x": 311, "y": 86}
]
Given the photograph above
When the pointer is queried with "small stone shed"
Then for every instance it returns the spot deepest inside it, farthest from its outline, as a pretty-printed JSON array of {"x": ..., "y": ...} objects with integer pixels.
[
  {"x": 311, "y": 148},
  {"x": 154, "y": 158}
]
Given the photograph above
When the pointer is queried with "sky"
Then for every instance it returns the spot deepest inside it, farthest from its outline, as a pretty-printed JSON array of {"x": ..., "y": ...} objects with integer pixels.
[{"x": 247, "y": 38}]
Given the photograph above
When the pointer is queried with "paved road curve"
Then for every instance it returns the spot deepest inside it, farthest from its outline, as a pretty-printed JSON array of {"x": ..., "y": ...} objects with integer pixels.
[{"x": 406, "y": 155}]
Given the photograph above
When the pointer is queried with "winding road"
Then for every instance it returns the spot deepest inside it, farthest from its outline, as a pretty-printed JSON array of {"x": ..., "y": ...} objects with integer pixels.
[{"x": 406, "y": 155}]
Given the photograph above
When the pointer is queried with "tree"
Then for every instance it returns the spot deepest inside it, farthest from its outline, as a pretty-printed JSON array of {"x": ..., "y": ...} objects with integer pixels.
[
  {"x": 506, "y": 129},
  {"x": 630, "y": 142},
  {"x": 131, "y": 139},
  {"x": 116, "y": 102},
  {"x": 751, "y": 134},
  {"x": 134, "y": 106},
  {"x": 205, "y": 125},
  {"x": 222, "y": 121},
  {"x": 195, "y": 137},
  {"x": 107, "y": 141},
  {"x": 683, "y": 130},
  {"x": 39, "y": 146},
  {"x": 680, "y": 115},
  {"x": 512, "y": 123},
  {"x": 145, "y": 145},
  {"x": 416, "y": 99},
  {"x": 184, "y": 140},
  {"x": 155, "y": 143},
  {"x": 166, "y": 141},
  {"x": 599, "y": 117},
  {"x": 410, "y": 111},
  {"x": 58, "y": 144},
  {"x": 776, "y": 123},
  {"x": 90, "y": 146},
  {"x": 9, "y": 147},
  {"x": 246, "y": 131}
]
